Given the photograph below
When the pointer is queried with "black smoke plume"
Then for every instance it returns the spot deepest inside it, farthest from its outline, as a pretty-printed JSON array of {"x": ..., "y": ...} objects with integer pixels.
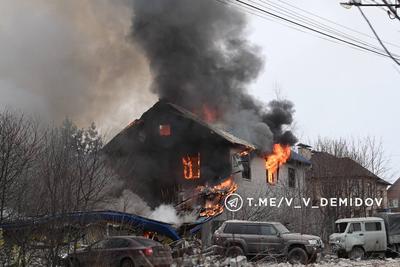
[{"x": 199, "y": 58}]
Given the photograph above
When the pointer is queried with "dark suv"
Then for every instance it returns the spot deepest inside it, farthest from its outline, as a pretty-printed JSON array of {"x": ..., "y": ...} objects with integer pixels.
[{"x": 266, "y": 238}]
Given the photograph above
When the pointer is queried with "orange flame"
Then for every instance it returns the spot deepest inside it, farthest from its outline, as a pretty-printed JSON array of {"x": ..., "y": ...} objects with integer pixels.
[
  {"x": 191, "y": 167},
  {"x": 279, "y": 156},
  {"x": 214, "y": 206},
  {"x": 209, "y": 115}
]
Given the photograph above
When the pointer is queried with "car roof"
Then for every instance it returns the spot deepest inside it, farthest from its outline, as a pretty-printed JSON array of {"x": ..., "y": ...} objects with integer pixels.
[
  {"x": 361, "y": 219},
  {"x": 252, "y": 222}
]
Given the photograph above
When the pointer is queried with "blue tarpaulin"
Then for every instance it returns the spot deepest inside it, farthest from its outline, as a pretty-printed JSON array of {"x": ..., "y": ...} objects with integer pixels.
[{"x": 84, "y": 218}]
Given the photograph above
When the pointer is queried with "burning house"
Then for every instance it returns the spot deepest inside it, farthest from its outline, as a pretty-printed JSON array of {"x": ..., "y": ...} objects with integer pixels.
[
  {"x": 207, "y": 136},
  {"x": 170, "y": 155}
]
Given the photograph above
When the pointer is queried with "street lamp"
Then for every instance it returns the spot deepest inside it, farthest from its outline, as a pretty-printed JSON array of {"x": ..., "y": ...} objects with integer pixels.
[
  {"x": 392, "y": 12},
  {"x": 351, "y": 3}
]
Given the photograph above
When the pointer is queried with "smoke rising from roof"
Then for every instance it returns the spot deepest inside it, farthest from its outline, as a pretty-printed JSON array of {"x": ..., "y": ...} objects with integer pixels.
[
  {"x": 199, "y": 58},
  {"x": 80, "y": 58}
]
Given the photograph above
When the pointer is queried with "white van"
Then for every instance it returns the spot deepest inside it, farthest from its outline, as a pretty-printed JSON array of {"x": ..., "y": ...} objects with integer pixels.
[{"x": 357, "y": 236}]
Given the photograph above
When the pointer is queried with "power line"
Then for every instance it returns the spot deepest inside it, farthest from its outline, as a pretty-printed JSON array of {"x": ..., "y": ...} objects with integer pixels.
[
  {"x": 377, "y": 36},
  {"x": 311, "y": 29},
  {"x": 323, "y": 27},
  {"x": 392, "y": 9},
  {"x": 248, "y": 10},
  {"x": 336, "y": 23}
]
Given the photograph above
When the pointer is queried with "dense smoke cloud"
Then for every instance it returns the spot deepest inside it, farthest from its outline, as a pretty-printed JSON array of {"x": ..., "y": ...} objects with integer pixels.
[
  {"x": 80, "y": 59},
  {"x": 72, "y": 58},
  {"x": 200, "y": 58}
]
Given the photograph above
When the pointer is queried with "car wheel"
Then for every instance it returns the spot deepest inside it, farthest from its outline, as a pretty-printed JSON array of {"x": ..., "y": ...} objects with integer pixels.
[
  {"x": 356, "y": 253},
  {"x": 127, "y": 263},
  {"x": 297, "y": 255},
  {"x": 234, "y": 251},
  {"x": 341, "y": 254},
  {"x": 313, "y": 258}
]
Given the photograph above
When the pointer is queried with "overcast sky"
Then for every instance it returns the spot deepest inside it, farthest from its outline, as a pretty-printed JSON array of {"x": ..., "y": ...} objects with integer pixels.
[{"x": 338, "y": 91}]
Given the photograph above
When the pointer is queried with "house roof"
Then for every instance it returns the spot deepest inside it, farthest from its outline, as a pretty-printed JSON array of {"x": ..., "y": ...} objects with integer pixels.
[
  {"x": 326, "y": 165},
  {"x": 215, "y": 129},
  {"x": 394, "y": 186},
  {"x": 222, "y": 133},
  {"x": 299, "y": 158}
]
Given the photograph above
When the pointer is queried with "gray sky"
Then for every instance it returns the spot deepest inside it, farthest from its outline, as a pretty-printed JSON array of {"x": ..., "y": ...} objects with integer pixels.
[{"x": 338, "y": 91}]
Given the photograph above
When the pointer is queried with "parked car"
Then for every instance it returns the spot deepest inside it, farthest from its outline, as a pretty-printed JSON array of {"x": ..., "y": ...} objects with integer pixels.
[
  {"x": 356, "y": 237},
  {"x": 266, "y": 238},
  {"x": 122, "y": 251}
]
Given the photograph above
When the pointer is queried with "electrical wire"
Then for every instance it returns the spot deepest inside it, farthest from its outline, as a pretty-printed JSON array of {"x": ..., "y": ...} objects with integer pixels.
[
  {"x": 311, "y": 22},
  {"x": 377, "y": 37},
  {"x": 320, "y": 32},
  {"x": 334, "y": 22},
  {"x": 248, "y": 10}
]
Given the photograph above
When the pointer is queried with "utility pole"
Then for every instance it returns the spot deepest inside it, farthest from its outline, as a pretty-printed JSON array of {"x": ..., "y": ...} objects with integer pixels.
[{"x": 392, "y": 7}]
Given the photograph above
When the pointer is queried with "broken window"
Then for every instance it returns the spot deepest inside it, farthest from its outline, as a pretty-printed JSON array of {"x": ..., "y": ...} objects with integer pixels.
[
  {"x": 292, "y": 177},
  {"x": 191, "y": 166},
  {"x": 245, "y": 161},
  {"x": 165, "y": 130}
]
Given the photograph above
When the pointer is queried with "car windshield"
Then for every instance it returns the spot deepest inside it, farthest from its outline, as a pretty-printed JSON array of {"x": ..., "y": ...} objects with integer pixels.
[
  {"x": 340, "y": 227},
  {"x": 281, "y": 229}
]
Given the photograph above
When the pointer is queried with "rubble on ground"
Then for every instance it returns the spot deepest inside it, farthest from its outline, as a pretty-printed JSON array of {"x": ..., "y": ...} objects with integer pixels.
[{"x": 188, "y": 253}]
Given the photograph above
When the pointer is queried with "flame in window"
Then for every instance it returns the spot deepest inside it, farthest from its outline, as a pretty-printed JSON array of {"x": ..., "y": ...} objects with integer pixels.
[
  {"x": 191, "y": 166},
  {"x": 165, "y": 129},
  {"x": 280, "y": 154}
]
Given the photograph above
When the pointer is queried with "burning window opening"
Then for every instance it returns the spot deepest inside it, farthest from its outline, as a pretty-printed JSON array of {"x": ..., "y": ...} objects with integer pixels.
[
  {"x": 165, "y": 130},
  {"x": 272, "y": 179},
  {"x": 191, "y": 166},
  {"x": 280, "y": 154}
]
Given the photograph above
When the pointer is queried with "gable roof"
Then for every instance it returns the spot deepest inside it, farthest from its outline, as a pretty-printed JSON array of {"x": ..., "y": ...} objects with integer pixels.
[
  {"x": 326, "y": 165},
  {"x": 394, "y": 185},
  {"x": 180, "y": 111},
  {"x": 222, "y": 133}
]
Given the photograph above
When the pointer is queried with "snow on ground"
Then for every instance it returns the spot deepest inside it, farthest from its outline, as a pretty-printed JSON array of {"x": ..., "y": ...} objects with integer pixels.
[
  {"x": 241, "y": 261},
  {"x": 339, "y": 263}
]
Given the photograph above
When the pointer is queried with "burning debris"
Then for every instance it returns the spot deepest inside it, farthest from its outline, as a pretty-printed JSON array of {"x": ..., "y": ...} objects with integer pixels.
[{"x": 214, "y": 197}]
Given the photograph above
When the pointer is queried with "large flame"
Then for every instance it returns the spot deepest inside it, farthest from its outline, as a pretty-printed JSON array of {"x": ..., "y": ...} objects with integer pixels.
[
  {"x": 280, "y": 154},
  {"x": 214, "y": 203}
]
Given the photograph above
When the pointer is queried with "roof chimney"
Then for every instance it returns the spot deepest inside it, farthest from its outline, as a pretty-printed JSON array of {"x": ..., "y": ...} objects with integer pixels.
[{"x": 304, "y": 150}]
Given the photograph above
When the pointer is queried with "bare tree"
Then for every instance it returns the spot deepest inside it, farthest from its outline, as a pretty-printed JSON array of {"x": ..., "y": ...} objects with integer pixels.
[
  {"x": 20, "y": 141},
  {"x": 367, "y": 151},
  {"x": 335, "y": 175},
  {"x": 49, "y": 172}
]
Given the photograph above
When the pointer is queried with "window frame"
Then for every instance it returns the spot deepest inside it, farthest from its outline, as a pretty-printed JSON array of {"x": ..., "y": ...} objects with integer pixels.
[
  {"x": 164, "y": 129},
  {"x": 248, "y": 168},
  {"x": 378, "y": 229},
  {"x": 291, "y": 179}
]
